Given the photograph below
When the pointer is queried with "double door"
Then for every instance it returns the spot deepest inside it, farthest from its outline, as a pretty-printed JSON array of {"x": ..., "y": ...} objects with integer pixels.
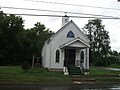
[{"x": 70, "y": 55}]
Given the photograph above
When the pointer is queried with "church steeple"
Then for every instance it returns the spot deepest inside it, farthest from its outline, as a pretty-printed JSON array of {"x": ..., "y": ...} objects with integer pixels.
[{"x": 65, "y": 20}]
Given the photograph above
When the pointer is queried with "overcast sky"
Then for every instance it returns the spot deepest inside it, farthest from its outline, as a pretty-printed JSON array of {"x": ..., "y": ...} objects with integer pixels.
[{"x": 54, "y": 23}]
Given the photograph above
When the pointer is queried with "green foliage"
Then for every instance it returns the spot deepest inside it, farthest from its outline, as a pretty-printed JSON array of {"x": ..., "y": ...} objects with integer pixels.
[
  {"x": 99, "y": 40},
  {"x": 37, "y": 37},
  {"x": 25, "y": 66},
  {"x": 18, "y": 44},
  {"x": 114, "y": 57},
  {"x": 10, "y": 28}
]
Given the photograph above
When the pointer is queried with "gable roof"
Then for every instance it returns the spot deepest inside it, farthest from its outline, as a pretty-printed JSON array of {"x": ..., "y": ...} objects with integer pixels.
[
  {"x": 48, "y": 41},
  {"x": 84, "y": 44}
]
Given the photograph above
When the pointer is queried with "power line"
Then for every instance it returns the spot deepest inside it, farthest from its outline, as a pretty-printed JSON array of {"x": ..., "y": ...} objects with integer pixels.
[
  {"x": 112, "y": 21},
  {"x": 73, "y": 4},
  {"x": 58, "y": 11},
  {"x": 62, "y": 16},
  {"x": 115, "y": 28},
  {"x": 113, "y": 25}
]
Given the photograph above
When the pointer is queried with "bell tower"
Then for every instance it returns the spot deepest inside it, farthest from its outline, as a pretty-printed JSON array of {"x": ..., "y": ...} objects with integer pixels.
[{"x": 65, "y": 20}]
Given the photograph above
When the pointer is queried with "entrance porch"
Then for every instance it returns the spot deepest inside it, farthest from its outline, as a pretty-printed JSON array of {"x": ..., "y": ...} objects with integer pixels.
[{"x": 75, "y": 54}]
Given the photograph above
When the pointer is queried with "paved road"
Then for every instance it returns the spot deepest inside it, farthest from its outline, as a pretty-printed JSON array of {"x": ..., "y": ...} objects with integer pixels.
[
  {"x": 112, "y": 69},
  {"x": 59, "y": 87}
]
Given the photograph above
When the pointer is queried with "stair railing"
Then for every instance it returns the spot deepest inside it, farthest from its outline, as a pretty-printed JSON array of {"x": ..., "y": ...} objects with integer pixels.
[
  {"x": 80, "y": 65},
  {"x": 82, "y": 68}
]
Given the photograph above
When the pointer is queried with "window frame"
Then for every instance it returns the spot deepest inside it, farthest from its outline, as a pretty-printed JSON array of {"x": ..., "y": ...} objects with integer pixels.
[
  {"x": 57, "y": 56},
  {"x": 70, "y": 34},
  {"x": 82, "y": 54}
]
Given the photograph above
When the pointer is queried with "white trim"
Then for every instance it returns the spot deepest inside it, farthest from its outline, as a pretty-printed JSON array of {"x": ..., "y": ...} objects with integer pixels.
[
  {"x": 74, "y": 40},
  {"x": 62, "y": 28}
]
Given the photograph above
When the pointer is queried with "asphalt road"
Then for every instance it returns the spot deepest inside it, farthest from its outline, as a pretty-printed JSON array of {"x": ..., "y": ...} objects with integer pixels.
[{"x": 59, "y": 87}]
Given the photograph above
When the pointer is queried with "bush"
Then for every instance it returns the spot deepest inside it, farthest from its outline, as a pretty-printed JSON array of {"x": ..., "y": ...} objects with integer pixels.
[
  {"x": 25, "y": 66},
  {"x": 102, "y": 61}
]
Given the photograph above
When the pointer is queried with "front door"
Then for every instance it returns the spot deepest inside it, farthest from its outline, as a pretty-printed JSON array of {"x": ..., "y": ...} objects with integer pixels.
[{"x": 70, "y": 56}]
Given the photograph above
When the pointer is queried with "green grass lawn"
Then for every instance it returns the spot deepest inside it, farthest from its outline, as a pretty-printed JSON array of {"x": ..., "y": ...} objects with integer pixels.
[
  {"x": 115, "y": 66},
  {"x": 105, "y": 75},
  {"x": 95, "y": 72},
  {"x": 14, "y": 74}
]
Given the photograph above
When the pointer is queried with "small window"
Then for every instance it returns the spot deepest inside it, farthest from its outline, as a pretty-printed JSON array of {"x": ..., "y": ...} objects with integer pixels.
[
  {"x": 70, "y": 34},
  {"x": 82, "y": 57},
  {"x": 57, "y": 56},
  {"x": 66, "y": 20}
]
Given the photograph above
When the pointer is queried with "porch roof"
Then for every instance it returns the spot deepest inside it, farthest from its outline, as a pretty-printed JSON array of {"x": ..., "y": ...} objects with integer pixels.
[{"x": 76, "y": 43}]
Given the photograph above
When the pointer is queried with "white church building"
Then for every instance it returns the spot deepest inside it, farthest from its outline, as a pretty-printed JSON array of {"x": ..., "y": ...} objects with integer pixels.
[{"x": 69, "y": 46}]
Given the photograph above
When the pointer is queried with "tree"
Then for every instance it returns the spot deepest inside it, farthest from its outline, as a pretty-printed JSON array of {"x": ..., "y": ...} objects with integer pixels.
[
  {"x": 33, "y": 40},
  {"x": 99, "y": 40},
  {"x": 114, "y": 57},
  {"x": 10, "y": 28},
  {"x": 18, "y": 44},
  {"x": 37, "y": 36}
]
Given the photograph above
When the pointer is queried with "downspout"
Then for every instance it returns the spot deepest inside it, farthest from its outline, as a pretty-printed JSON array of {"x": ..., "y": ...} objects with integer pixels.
[
  {"x": 86, "y": 58},
  {"x": 50, "y": 55}
]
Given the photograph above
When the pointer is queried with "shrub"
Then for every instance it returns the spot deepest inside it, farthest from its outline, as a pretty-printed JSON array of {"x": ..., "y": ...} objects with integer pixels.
[{"x": 25, "y": 66}]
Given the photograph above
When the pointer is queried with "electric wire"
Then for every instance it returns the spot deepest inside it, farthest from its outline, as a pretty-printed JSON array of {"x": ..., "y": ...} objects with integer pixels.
[
  {"x": 63, "y": 16},
  {"x": 73, "y": 4},
  {"x": 58, "y": 11}
]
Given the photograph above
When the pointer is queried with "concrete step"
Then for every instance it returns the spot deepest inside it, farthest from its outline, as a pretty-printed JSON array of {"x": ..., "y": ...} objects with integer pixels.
[{"x": 82, "y": 79}]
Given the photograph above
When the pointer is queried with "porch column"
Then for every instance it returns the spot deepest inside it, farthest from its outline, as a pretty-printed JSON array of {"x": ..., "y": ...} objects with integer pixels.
[
  {"x": 87, "y": 58},
  {"x": 62, "y": 57},
  {"x": 77, "y": 59}
]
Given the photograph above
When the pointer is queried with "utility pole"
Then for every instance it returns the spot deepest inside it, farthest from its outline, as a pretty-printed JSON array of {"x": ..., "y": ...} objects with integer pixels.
[{"x": 33, "y": 61}]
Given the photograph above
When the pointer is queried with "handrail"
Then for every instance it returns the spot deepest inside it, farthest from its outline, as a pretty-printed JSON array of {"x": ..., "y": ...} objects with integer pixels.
[{"x": 82, "y": 68}]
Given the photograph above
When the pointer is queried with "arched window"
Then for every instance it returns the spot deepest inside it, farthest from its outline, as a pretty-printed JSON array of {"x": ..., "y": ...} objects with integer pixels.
[
  {"x": 57, "y": 56},
  {"x": 82, "y": 57},
  {"x": 70, "y": 34}
]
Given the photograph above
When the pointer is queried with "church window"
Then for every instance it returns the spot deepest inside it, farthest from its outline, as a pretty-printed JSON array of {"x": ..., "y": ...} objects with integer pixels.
[
  {"x": 57, "y": 56},
  {"x": 70, "y": 34}
]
